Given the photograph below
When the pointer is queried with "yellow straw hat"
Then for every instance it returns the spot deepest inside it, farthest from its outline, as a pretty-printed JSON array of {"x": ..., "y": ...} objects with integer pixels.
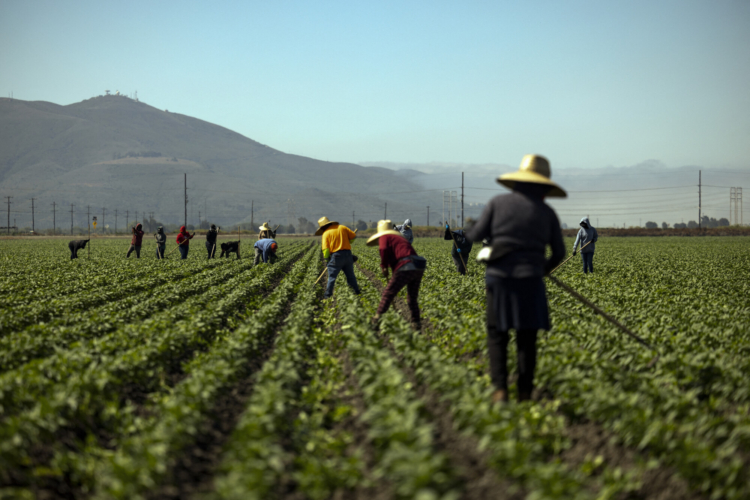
[
  {"x": 323, "y": 223},
  {"x": 384, "y": 227},
  {"x": 534, "y": 169},
  {"x": 264, "y": 227}
]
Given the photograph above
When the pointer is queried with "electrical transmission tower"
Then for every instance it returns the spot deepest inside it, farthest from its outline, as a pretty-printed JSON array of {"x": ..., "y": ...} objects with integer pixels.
[{"x": 735, "y": 201}]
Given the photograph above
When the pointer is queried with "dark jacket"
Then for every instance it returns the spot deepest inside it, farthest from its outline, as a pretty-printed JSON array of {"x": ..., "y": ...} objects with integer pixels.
[
  {"x": 460, "y": 241},
  {"x": 211, "y": 236},
  {"x": 161, "y": 238},
  {"x": 393, "y": 251},
  {"x": 524, "y": 226},
  {"x": 586, "y": 235}
]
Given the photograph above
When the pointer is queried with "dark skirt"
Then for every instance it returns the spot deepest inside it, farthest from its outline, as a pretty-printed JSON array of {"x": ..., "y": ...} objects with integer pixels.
[{"x": 517, "y": 303}]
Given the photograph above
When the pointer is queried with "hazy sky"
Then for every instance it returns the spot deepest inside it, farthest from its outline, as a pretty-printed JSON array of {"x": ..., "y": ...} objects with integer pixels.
[{"x": 587, "y": 83}]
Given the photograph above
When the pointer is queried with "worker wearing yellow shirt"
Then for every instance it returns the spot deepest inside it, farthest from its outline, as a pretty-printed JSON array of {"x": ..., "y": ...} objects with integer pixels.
[{"x": 337, "y": 250}]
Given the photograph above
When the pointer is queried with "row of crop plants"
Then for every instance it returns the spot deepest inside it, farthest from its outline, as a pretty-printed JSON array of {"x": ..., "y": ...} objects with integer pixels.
[
  {"x": 82, "y": 389},
  {"x": 600, "y": 375}
]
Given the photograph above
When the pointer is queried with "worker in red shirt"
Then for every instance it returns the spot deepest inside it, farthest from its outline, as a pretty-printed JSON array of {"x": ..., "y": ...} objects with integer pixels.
[
  {"x": 408, "y": 268},
  {"x": 136, "y": 241},
  {"x": 183, "y": 240}
]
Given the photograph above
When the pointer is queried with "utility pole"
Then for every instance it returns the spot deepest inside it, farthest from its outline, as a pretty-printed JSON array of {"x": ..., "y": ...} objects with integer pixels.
[
  {"x": 54, "y": 225},
  {"x": 115, "y": 221},
  {"x": 88, "y": 224},
  {"x": 136, "y": 217},
  {"x": 352, "y": 218},
  {"x": 8, "y": 228},
  {"x": 127, "y": 219},
  {"x": 32, "y": 215},
  {"x": 462, "y": 199},
  {"x": 71, "y": 219},
  {"x": 428, "y": 215},
  {"x": 104, "y": 212},
  {"x": 699, "y": 199},
  {"x": 385, "y": 215},
  {"x": 252, "y": 214},
  {"x": 186, "y": 199}
]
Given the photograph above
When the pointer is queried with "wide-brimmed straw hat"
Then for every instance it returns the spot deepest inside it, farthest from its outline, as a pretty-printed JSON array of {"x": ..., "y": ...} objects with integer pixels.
[
  {"x": 534, "y": 169},
  {"x": 384, "y": 227},
  {"x": 264, "y": 227},
  {"x": 323, "y": 223}
]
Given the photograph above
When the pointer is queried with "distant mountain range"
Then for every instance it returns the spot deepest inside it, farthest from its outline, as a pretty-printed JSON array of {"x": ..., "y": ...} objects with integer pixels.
[{"x": 114, "y": 152}]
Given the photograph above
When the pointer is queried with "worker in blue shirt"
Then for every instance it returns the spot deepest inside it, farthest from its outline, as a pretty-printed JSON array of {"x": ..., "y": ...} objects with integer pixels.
[{"x": 265, "y": 249}]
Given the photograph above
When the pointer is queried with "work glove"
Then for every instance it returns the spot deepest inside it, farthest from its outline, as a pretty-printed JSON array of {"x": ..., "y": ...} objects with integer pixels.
[
  {"x": 575, "y": 252},
  {"x": 458, "y": 250}
]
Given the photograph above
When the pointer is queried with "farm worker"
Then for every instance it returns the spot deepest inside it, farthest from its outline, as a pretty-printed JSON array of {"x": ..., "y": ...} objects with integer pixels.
[
  {"x": 266, "y": 232},
  {"x": 161, "y": 242},
  {"x": 405, "y": 230},
  {"x": 265, "y": 249},
  {"x": 519, "y": 226},
  {"x": 74, "y": 246},
  {"x": 586, "y": 234},
  {"x": 136, "y": 241},
  {"x": 408, "y": 268},
  {"x": 461, "y": 248},
  {"x": 337, "y": 250},
  {"x": 211, "y": 236},
  {"x": 183, "y": 240}
]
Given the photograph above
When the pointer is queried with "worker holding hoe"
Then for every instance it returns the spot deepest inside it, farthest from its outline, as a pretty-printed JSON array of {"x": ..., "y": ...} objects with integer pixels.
[
  {"x": 519, "y": 227},
  {"x": 265, "y": 249},
  {"x": 136, "y": 241},
  {"x": 408, "y": 268},
  {"x": 461, "y": 248},
  {"x": 587, "y": 237},
  {"x": 161, "y": 242},
  {"x": 211, "y": 236},
  {"x": 405, "y": 230},
  {"x": 183, "y": 242},
  {"x": 266, "y": 232},
  {"x": 337, "y": 250}
]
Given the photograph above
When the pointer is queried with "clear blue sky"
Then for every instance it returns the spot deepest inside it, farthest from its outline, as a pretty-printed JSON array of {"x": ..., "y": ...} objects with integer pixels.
[{"x": 587, "y": 83}]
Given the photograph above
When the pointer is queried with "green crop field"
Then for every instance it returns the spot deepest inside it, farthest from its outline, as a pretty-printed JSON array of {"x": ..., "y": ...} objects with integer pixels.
[{"x": 126, "y": 378}]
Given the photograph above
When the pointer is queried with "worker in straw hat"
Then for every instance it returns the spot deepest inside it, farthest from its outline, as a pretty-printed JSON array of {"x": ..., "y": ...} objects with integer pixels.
[
  {"x": 337, "y": 250},
  {"x": 519, "y": 226},
  {"x": 266, "y": 232},
  {"x": 408, "y": 268}
]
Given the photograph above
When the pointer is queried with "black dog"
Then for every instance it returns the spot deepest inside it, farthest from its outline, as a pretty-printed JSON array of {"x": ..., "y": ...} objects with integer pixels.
[
  {"x": 229, "y": 247},
  {"x": 76, "y": 245}
]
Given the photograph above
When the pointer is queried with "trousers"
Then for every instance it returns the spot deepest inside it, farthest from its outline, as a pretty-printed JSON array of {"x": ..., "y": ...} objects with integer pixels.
[
  {"x": 341, "y": 261},
  {"x": 137, "y": 249},
  {"x": 400, "y": 279},
  {"x": 588, "y": 262}
]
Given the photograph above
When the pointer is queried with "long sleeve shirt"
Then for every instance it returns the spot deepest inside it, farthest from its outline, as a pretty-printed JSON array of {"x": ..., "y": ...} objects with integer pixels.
[
  {"x": 137, "y": 238},
  {"x": 586, "y": 235},
  {"x": 264, "y": 246},
  {"x": 524, "y": 225},
  {"x": 161, "y": 239},
  {"x": 392, "y": 249},
  {"x": 211, "y": 236},
  {"x": 186, "y": 237}
]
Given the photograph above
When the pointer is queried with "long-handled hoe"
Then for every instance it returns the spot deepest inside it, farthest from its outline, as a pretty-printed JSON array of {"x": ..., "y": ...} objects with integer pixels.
[
  {"x": 175, "y": 248},
  {"x": 566, "y": 260},
  {"x": 606, "y": 316},
  {"x": 213, "y": 250},
  {"x": 326, "y": 268}
]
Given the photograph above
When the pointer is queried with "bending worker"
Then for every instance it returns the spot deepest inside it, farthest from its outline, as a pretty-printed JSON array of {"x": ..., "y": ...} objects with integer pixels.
[
  {"x": 183, "y": 240},
  {"x": 161, "y": 242},
  {"x": 520, "y": 227},
  {"x": 461, "y": 248},
  {"x": 587, "y": 234},
  {"x": 337, "y": 250},
  {"x": 265, "y": 250},
  {"x": 408, "y": 268},
  {"x": 211, "y": 236},
  {"x": 136, "y": 241},
  {"x": 405, "y": 230}
]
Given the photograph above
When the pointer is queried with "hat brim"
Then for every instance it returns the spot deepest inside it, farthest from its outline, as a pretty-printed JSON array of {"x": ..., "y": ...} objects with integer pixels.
[
  {"x": 375, "y": 237},
  {"x": 323, "y": 228},
  {"x": 264, "y": 228},
  {"x": 509, "y": 181}
]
